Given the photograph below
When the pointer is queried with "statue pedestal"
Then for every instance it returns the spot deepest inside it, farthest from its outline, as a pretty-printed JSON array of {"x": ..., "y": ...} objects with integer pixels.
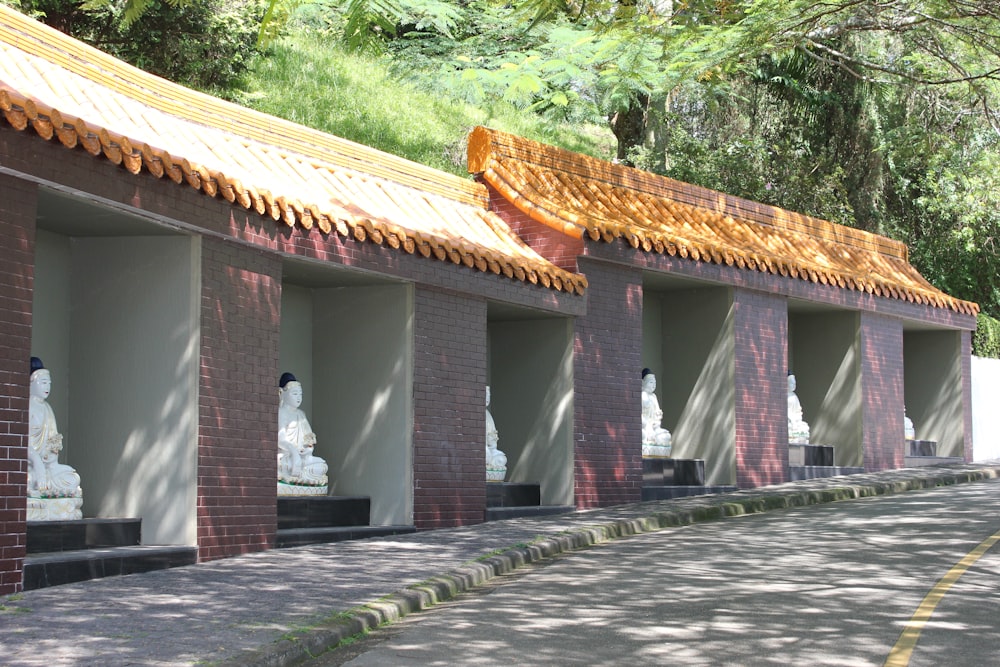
[
  {"x": 656, "y": 451},
  {"x": 55, "y": 509},
  {"x": 295, "y": 490},
  {"x": 495, "y": 474}
]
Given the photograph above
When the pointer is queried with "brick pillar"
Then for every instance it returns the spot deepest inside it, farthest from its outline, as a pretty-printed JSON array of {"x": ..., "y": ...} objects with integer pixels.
[
  {"x": 238, "y": 400},
  {"x": 18, "y": 202},
  {"x": 760, "y": 327},
  {"x": 966, "y": 370},
  {"x": 882, "y": 392},
  {"x": 608, "y": 405},
  {"x": 449, "y": 409}
]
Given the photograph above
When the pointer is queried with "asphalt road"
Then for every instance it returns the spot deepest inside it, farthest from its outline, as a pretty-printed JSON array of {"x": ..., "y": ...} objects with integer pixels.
[{"x": 831, "y": 584}]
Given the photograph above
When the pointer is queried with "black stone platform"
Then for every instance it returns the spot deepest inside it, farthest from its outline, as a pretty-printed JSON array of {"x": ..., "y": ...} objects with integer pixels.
[
  {"x": 800, "y": 473},
  {"x": 673, "y": 472},
  {"x": 918, "y": 461},
  {"x": 663, "y": 479},
  {"x": 810, "y": 455},
  {"x": 46, "y": 536},
  {"x": 323, "y": 511},
  {"x": 64, "y": 552},
  {"x": 921, "y": 448},
  {"x": 512, "y": 494},
  {"x": 299, "y": 537},
  {"x": 501, "y": 513},
  {"x": 670, "y": 492},
  {"x": 511, "y": 500},
  {"x": 67, "y": 567},
  {"x": 322, "y": 519}
]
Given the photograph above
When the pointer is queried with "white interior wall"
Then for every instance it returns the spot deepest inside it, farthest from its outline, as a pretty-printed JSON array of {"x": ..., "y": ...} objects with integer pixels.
[
  {"x": 362, "y": 412},
  {"x": 827, "y": 366},
  {"x": 134, "y": 362},
  {"x": 688, "y": 343},
  {"x": 652, "y": 344},
  {"x": 932, "y": 384},
  {"x": 50, "y": 312},
  {"x": 295, "y": 347}
]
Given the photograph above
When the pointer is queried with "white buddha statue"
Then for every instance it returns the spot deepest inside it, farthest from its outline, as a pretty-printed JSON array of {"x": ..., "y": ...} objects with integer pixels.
[
  {"x": 54, "y": 492},
  {"x": 496, "y": 461},
  {"x": 908, "y": 429},
  {"x": 798, "y": 429},
  {"x": 299, "y": 471},
  {"x": 655, "y": 438}
]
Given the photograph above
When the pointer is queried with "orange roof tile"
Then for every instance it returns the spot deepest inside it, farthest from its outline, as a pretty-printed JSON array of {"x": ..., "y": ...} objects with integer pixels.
[
  {"x": 579, "y": 195},
  {"x": 68, "y": 92}
]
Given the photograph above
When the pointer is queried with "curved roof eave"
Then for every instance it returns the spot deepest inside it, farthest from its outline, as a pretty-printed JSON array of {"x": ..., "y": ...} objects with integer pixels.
[
  {"x": 584, "y": 197},
  {"x": 65, "y": 91}
]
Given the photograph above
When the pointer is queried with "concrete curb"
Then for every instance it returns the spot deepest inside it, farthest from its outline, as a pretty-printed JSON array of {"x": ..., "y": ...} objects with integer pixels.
[{"x": 298, "y": 647}]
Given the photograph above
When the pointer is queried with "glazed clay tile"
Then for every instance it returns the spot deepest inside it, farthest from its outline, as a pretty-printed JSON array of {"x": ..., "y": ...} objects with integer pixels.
[
  {"x": 573, "y": 193},
  {"x": 63, "y": 89}
]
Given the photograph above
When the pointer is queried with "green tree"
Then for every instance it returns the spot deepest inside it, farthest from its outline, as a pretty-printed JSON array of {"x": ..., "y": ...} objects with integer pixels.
[{"x": 206, "y": 44}]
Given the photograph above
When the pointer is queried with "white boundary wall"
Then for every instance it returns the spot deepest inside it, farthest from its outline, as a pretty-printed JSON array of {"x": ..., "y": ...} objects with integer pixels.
[{"x": 985, "y": 409}]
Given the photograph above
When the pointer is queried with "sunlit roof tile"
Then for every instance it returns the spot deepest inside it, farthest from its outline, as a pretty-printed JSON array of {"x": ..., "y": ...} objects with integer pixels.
[
  {"x": 579, "y": 195},
  {"x": 68, "y": 92}
]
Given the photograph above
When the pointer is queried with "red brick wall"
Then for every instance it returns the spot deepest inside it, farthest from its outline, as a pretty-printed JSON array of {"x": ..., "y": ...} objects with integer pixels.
[
  {"x": 553, "y": 245},
  {"x": 882, "y": 392},
  {"x": 966, "y": 362},
  {"x": 449, "y": 409},
  {"x": 238, "y": 400},
  {"x": 608, "y": 406},
  {"x": 17, "y": 248},
  {"x": 761, "y": 374}
]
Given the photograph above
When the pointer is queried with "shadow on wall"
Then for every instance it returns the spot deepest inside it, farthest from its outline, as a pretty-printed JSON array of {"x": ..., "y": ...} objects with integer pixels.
[{"x": 706, "y": 428}]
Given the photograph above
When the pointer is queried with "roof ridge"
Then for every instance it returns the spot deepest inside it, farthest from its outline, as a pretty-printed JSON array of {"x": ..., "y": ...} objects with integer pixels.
[
  {"x": 485, "y": 143},
  {"x": 27, "y": 34}
]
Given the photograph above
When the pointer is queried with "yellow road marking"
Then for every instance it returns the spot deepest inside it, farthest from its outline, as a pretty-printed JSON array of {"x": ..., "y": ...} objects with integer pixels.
[{"x": 900, "y": 654}]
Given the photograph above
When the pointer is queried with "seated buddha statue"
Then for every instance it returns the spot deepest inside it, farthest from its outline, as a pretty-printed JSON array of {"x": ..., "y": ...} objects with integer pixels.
[
  {"x": 798, "y": 429},
  {"x": 48, "y": 480},
  {"x": 300, "y": 472},
  {"x": 496, "y": 460},
  {"x": 656, "y": 440}
]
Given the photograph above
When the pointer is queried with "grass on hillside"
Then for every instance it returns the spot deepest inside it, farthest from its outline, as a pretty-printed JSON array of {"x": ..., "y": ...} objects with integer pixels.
[{"x": 314, "y": 82}]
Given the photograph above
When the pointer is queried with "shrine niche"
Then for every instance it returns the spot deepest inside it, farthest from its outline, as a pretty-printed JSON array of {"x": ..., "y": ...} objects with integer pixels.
[
  {"x": 688, "y": 343},
  {"x": 531, "y": 404},
  {"x": 348, "y": 338},
  {"x": 934, "y": 364},
  {"x": 115, "y": 314}
]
